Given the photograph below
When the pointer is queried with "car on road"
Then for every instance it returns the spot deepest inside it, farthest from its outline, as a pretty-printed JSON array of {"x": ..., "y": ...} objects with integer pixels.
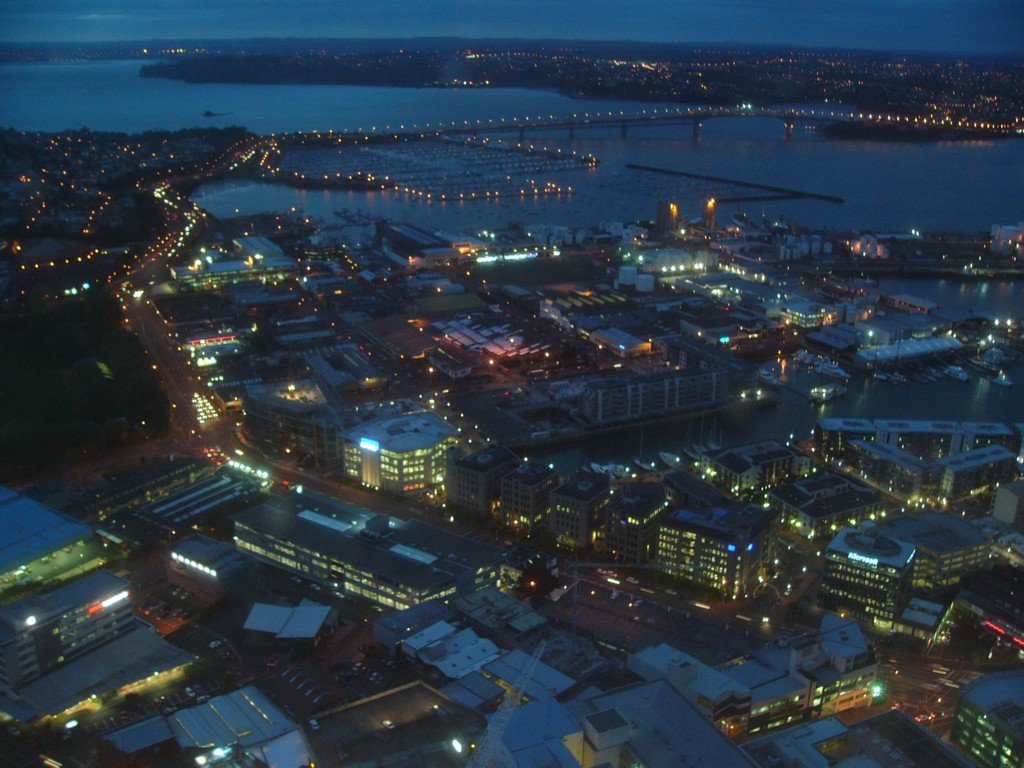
[
  {"x": 314, "y": 724},
  {"x": 214, "y": 645},
  {"x": 387, "y": 724},
  {"x": 190, "y": 692}
]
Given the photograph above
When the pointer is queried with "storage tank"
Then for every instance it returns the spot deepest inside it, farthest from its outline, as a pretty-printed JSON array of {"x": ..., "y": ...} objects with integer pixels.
[
  {"x": 645, "y": 283},
  {"x": 627, "y": 275}
]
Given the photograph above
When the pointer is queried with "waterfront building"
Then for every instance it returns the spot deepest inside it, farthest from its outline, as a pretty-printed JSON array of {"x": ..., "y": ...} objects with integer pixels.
[
  {"x": 868, "y": 575},
  {"x": 1008, "y": 503},
  {"x": 691, "y": 354},
  {"x": 820, "y": 505},
  {"x": 753, "y": 466},
  {"x": 834, "y": 438},
  {"x": 975, "y": 470},
  {"x": 631, "y": 522},
  {"x": 948, "y": 547},
  {"x": 399, "y": 453},
  {"x": 296, "y": 417},
  {"x": 989, "y": 720},
  {"x": 208, "y": 568},
  {"x": 729, "y": 550},
  {"x": 577, "y": 508},
  {"x": 473, "y": 482},
  {"x": 926, "y": 440},
  {"x": 524, "y": 495},
  {"x": 648, "y": 395},
  {"x": 890, "y": 468},
  {"x": 944, "y": 479},
  {"x": 1007, "y": 239},
  {"x": 357, "y": 552},
  {"x": 686, "y": 490}
]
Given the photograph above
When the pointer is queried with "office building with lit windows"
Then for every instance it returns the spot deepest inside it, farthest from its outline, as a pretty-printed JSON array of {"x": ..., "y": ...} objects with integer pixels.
[
  {"x": 208, "y": 568},
  {"x": 473, "y": 482},
  {"x": 354, "y": 551},
  {"x": 59, "y": 648},
  {"x": 577, "y": 508},
  {"x": 38, "y": 634},
  {"x": 295, "y": 417},
  {"x": 820, "y": 505},
  {"x": 631, "y": 522},
  {"x": 524, "y": 495},
  {"x": 753, "y": 466},
  {"x": 400, "y": 453},
  {"x": 948, "y": 547},
  {"x": 867, "y": 575},
  {"x": 989, "y": 720},
  {"x": 725, "y": 549}
]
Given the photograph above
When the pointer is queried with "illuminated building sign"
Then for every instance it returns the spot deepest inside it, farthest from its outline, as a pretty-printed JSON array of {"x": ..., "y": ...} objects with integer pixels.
[
  {"x": 193, "y": 564},
  {"x": 493, "y": 257},
  {"x": 369, "y": 445},
  {"x": 112, "y": 600},
  {"x": 858, "y": 558}
]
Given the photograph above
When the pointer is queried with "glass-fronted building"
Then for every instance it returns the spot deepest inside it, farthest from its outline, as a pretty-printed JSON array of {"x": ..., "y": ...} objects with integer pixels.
[
  {"x": 989, "y": 720},
  {"x": 867, "y": 575},
  {"x": 357, "y": 552},
  {"x": 401, "y": 453}
]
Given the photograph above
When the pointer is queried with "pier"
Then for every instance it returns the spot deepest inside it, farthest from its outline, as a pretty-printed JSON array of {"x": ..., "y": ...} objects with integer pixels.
[{"x": 776, "y": 193}]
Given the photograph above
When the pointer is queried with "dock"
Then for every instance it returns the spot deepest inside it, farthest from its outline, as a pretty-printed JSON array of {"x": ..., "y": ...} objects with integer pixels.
[{"x": 775, "y": 193}]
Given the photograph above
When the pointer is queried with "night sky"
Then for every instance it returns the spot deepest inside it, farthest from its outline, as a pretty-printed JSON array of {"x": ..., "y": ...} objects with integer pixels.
[{"x": 969, "y": 26}]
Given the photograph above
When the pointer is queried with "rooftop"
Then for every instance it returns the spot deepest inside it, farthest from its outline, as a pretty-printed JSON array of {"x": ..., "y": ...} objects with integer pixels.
[
  {"x": 88, "y": 590},
  {"x": 126, "y": 659},
  {"x": 489, "y": 458},
  {"x": 399, "y": 434},
  {"x": 585, "y": 486},
  {"x": 934, "y": 531},
  {"x": 245, "y": 716},
  {"x": 872, "y": 548},
  {"x": 30, "y": 530},
  {"x": 730, "y": 522},
  {"x": 530, "y": 474},
  {"x": 302, "y": 622},
  {"x": 411, "y": 553}
]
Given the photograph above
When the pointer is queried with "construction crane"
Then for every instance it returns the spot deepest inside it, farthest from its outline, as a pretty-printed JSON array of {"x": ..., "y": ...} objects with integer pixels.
[{"x": 486, "y": 753}]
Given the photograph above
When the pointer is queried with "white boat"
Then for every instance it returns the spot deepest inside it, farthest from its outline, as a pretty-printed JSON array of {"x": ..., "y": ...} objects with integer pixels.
[
  {"x": 1002, "y": 381},
  {"x": 645, "y": 464},
  {"x": 827, "y": 392},
  {"x": 670, "y": 459},
  {"x": 957, "y": 372},
  {"x": 828, "y": 368},
  {"x": 616, "y": 470}
]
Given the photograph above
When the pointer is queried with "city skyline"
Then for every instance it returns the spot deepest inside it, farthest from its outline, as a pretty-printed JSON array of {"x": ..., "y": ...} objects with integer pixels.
[{"x": 953, "y": 26}]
